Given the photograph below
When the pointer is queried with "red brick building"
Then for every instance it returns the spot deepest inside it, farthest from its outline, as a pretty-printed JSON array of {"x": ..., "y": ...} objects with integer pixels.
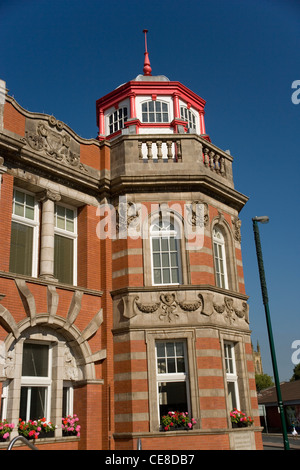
[{"x": 122, "y": 292}]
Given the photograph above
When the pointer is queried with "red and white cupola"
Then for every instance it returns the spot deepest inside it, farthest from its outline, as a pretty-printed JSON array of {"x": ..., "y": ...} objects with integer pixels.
[{"x": 150, "y": 105}]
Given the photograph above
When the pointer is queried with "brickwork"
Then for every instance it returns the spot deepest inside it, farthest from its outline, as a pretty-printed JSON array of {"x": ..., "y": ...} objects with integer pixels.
[{"x": 104, "y": 330}]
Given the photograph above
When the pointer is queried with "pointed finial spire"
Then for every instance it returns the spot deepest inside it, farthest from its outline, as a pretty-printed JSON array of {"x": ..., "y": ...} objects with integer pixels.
[{"x": 147, "y": 68}]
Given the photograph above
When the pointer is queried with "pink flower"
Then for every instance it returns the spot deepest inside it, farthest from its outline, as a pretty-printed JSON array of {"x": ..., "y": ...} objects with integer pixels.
[
  {"x": 189, "y": 425},
  {"x": 6, "y": 435}
]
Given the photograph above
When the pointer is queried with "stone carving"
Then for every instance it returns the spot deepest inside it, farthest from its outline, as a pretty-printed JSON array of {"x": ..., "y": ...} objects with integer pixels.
[
  {"x": 146, "y": 308},
  {"x": 127, "y": 217},
  {"x": 167, "y": 306},
  {"x": 198, "y": 214},
  {"x": 191, "y": 306},
  {"x": 55, "y": 143},
  {"x": 237, "y": 228},
  {"x": 231, "y": 311},
  {"x": 9, "y": 365},
  {"x": 70, "y": 367}
]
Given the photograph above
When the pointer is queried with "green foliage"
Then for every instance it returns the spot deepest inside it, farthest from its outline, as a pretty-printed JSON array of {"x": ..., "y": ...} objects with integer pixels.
[
  {"x": 263, "y": 381},
  {"x": 296, "y": 375}
]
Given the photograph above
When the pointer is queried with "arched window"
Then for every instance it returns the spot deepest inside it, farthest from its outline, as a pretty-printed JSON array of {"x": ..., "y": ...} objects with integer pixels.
[
  {"x": 155, "y": 111},
  {"x": 117, "y": 119},
  {"x": 219, "y": 249},
  {"x": 187, "y": 115},
  {"x": 165, "y": 253}
]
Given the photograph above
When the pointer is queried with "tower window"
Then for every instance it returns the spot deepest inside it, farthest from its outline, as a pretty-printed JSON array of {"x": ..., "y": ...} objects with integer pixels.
[
  {"x": 220, "y": 258},
  {"x": 189, "y": 116},
  {"x": 117, "y": 119},
  {"x": 165, "y": 247},
  {"x": 155, "y": 111}
]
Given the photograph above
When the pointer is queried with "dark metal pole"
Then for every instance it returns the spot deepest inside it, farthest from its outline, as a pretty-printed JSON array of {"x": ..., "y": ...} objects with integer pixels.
[{"x": 269, "y": 327}]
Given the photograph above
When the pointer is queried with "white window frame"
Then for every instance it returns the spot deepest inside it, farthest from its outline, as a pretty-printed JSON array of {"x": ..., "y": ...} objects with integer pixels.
[
  {"x": 174, "y": 376},
  {"x": 155, "y": 112},
  {"x": 220, "y": 259},
  {"x": 160, "y": 234},
  {"x": 67, "y": 384},
  {"x": 68, "y": 234},
  {"x": 231, "y": 371},
  {"x": 34, "y": 223},
  {"x": 45, "y": 382},
  {"x": 116, "y": 121},
  {"x": 188, "y": 116}
]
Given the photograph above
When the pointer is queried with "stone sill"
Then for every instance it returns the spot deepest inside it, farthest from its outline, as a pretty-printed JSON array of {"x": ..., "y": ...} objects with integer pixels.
[
  {"x": 184, "y": 432},
  {"x": 46, "y": 440}
]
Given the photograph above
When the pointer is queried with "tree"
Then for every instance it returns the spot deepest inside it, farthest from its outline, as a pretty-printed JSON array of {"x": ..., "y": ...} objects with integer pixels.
[
  {"x": 296, "y": 375},
  {"x": 263, "y": 381}
]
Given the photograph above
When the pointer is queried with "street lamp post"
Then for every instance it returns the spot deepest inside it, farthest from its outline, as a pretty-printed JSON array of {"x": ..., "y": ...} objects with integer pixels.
[{"x": 265, "y": 219}]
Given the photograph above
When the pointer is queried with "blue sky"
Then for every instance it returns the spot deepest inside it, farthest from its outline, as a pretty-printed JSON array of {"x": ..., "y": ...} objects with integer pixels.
[{"x": 242, "y": 56}]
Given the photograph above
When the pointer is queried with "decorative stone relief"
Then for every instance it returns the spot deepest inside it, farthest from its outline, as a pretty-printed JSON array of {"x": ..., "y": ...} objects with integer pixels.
[
  {"x": 198, "y": 214},
  {"x": 237, "y": 228},
  {"x": 7, "y": 362},
  {"x": 168, "y": 306},
  {"x": 127, "y": 217},
  {"x": 55, "y": 143},
  {"x": 70, "y": 366},
  {"x": 231, "y": 312}
]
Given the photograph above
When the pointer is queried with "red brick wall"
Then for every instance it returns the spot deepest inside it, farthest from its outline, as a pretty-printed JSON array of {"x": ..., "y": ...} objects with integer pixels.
[
  {"x": 12, "y": 120},
  {"x": 5, "y": 225}
]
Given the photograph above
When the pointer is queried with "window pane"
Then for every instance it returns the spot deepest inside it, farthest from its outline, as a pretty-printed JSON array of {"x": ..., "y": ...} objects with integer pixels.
[
  {"x": 170, "y": 349},
  {"x": 145, "y": 117},
  {"x": 166, "y": 276},
  {"x": 232, "y": 395},
  {"x": 151, "y": 106},
  {"x": 157, "y": 276},
  {"x": 21, "y": 249},
  {"x": 158, "y": 106},
  {"x": 151, "y": 117},
  {"x": 156, "y": 260},
  {"x": 63, "y": 259},
  {"x": 33, "y": 403},
  {"x": 155, "y": 244},
  {"x": 172, "y": 397},
  {"x": 180, "y": 365},
  {"x": 35, "y": 360},
  {"x": 173, "y": 244},
  {"x": 160, "y": 349},
  {"x": 161, "y": 366},
  {"x": 179, "y": 349},
  {"x": 171, "y": 365},
  {"x": 23, "y": 403},
  {"x": 164, "y": 244},
  {"x": 165, "y": 260},
  {"x": 173, "y": 259},
  {"x": 175, "y": 275}
]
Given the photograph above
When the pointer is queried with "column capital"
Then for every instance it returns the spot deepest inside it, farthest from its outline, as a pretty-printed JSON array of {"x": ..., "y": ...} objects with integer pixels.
[{"x": 48, "y": 194}]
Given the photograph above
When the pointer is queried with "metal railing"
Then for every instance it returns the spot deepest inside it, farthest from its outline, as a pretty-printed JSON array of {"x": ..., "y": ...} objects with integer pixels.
[{"x": 24, "y": 440}]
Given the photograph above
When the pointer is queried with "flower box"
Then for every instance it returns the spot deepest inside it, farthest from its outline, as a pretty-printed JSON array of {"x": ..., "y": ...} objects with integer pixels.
[
  {"x": 240, "y": 419},
  {"x": 177, "y": 421}
]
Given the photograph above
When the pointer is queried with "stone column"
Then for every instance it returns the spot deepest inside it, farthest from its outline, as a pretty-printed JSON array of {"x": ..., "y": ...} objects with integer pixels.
[{"x": 48, "y": 199}]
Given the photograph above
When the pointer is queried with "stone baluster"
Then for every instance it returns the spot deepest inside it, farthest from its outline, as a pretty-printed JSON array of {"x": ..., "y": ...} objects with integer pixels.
[
  {"x": 149, "y": 150},
  {"x": 140, "y": 143},
  {"x": 206, "y": 156},
  {"x": 179, "y": 151},
  {"x": 170, "y": 153},
  {"x": 159, "y": 149},
  {"x": 211, "y": 160}
]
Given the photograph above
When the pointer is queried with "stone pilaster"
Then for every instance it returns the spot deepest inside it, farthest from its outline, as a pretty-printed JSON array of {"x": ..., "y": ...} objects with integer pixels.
[{"x": 48, "y": 199}]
